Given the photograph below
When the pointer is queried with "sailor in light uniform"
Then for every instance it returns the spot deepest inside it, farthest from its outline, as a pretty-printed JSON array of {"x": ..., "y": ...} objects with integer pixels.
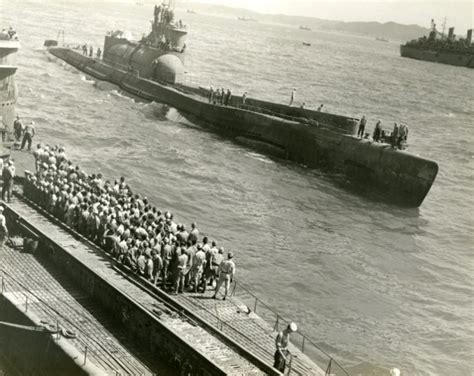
[
  {"x": 227, "y": 271},
  {"x": 3, "y": 227},
  {"x": 293, "y": 97}
]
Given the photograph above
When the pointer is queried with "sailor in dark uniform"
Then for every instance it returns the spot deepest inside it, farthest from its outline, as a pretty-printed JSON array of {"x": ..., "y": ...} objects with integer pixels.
[
  {"x": 363, "y": 122},
  {"x": 377, "y": 131},
  {"x": 395, "y": 135},
  {"x": 18, "y": 129}
]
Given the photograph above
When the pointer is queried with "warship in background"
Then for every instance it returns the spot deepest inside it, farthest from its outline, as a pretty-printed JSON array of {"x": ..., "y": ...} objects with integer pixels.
[
  {"x": 440, "y": 49},
  {"x": 247, "y": 19}
]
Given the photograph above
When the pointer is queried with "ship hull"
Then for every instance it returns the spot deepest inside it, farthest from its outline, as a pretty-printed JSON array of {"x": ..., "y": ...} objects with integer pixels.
[
  {"x": 404, "y": 179},
  {"x": 437, "y": 56},
  {"x": 8, "y": 89}
]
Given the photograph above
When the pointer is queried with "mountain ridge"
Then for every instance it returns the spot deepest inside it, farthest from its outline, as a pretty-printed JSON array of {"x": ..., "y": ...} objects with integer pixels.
[{"x": 388, "y": 30}]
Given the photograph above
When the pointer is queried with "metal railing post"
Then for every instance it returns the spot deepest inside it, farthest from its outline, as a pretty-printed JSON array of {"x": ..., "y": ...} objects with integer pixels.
[
  {"x": 255, "y": 305},
  {"x": 233, "y": 291},
  {"x": 26, "y": 303},
  {"x": 290, "y": 366},
  {"x": 328, "y": 370},
  {"x": 302, "y": 345},
  {"x": 3, "y": 285},
  {"x": 275, "y": 328},
  {"x": 85, "y": 356}
]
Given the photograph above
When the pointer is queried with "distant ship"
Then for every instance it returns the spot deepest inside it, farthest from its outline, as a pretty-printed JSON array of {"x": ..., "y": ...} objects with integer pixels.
[
  {"x": 440, "y": 49},
  {"x": 306, "y": 44},
  {"x": 305, "y": 28},
  {"x": 381, "y": 39},
  {"x": 248, "y": 19},
  {"x": 190, "y": 11}
]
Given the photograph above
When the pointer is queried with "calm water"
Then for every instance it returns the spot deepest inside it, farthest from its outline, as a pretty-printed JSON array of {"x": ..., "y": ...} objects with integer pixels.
[{"x": 373, "y": 283}]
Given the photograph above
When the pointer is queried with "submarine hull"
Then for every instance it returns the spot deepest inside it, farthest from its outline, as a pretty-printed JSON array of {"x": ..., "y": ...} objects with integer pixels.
[
  {"x": 438, "y": 56},
  {"x": 403, "y": 178}
]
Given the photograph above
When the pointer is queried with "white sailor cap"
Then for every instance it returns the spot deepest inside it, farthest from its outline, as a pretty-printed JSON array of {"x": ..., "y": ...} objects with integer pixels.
[
  {"x": 293, "y": 327},
  {"x": 394, "y": 372}
]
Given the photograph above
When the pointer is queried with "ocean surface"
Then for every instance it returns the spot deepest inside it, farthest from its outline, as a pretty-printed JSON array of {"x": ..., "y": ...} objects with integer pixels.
[{"x": 376, "y": 285}]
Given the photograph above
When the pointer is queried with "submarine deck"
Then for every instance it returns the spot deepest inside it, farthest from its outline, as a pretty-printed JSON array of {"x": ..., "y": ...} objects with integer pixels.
[{"x": 249, "y": 331}]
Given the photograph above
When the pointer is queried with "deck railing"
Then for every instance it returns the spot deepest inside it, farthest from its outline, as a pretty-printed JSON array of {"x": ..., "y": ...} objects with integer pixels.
[
  {"x": 95, "y": 351},
  {"x": 270, "y": 322},
  {"x": 278, "y": 322}
]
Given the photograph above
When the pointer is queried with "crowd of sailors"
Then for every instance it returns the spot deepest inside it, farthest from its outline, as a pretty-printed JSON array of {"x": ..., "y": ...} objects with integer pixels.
[
  {"x": 398, "y": 138},
  {"x": 221, "y": 96},
  {"x": 89, "y": 51},
  {"x": 460, "y": 45},
  {"x": 128, "y": 227},
  {"x": 9, "y": 34}
]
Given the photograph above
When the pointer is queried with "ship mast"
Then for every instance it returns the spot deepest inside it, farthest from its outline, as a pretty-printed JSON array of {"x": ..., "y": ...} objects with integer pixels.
[{"x": 444, "y": 27}]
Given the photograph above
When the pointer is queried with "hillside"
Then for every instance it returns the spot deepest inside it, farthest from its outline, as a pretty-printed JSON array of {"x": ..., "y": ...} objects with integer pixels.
[{"x": 388, "y": 30}]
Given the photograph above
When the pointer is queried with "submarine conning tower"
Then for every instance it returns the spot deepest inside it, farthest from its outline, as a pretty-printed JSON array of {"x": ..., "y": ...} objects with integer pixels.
[
  {"x": 9, "y": 46},
  {"x": 158, "y": 56}
]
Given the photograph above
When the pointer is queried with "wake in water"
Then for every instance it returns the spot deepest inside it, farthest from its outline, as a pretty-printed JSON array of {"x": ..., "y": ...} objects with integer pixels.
[
  {"x": 105, "y": 86},
  {"x": 87, "y": 79},
  {"x": 259, "y": 157}
]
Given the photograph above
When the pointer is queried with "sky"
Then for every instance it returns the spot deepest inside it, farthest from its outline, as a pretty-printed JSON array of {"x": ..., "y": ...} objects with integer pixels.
[{"x": 459, "y": 14}]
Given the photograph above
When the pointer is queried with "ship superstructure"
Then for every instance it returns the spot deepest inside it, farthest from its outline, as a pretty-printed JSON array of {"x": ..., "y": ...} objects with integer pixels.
[
  {"x": 159, "y": 55},
  {"x": 437, "y": 47},
  {"x": 9, "y": 46}
]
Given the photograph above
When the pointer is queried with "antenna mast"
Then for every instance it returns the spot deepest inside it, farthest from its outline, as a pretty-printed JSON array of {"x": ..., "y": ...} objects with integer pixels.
[{"x": 444, "y": 27}]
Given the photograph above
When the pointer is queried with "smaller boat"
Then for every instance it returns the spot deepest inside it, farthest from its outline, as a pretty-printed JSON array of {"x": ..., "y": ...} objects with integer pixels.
[
  {"x": 381, "y": 39},
  {"x": 306, "y": 44},
  {"x": 248, "y": 19},
  {"x": 305, "y": 28},
  {"x": 192, "y": 11}
]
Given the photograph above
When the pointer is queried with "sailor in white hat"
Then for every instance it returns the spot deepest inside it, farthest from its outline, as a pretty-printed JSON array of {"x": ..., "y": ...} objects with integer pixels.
[{"x": 281, "y": 343}]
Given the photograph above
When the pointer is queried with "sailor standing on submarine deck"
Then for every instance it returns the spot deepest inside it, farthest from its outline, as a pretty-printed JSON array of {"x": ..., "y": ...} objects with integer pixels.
[
  {"x": 362, "y": 124},
  {"x": 293, "y": 96}
]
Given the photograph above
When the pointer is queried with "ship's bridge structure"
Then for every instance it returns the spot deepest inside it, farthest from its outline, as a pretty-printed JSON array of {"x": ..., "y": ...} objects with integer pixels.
[
  {"x": 9, "y": 46},
  {"x": 159, "y": 55}
]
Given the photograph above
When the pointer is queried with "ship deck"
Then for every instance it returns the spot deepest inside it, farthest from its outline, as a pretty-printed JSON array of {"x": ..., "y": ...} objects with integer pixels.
[
  {"x": 36, "y": 286},
  {"x": 231, "y": 317}
]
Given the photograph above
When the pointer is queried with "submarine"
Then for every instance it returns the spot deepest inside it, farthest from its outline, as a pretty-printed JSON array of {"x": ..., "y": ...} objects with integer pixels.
[{"x": 153, "y": 69}]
